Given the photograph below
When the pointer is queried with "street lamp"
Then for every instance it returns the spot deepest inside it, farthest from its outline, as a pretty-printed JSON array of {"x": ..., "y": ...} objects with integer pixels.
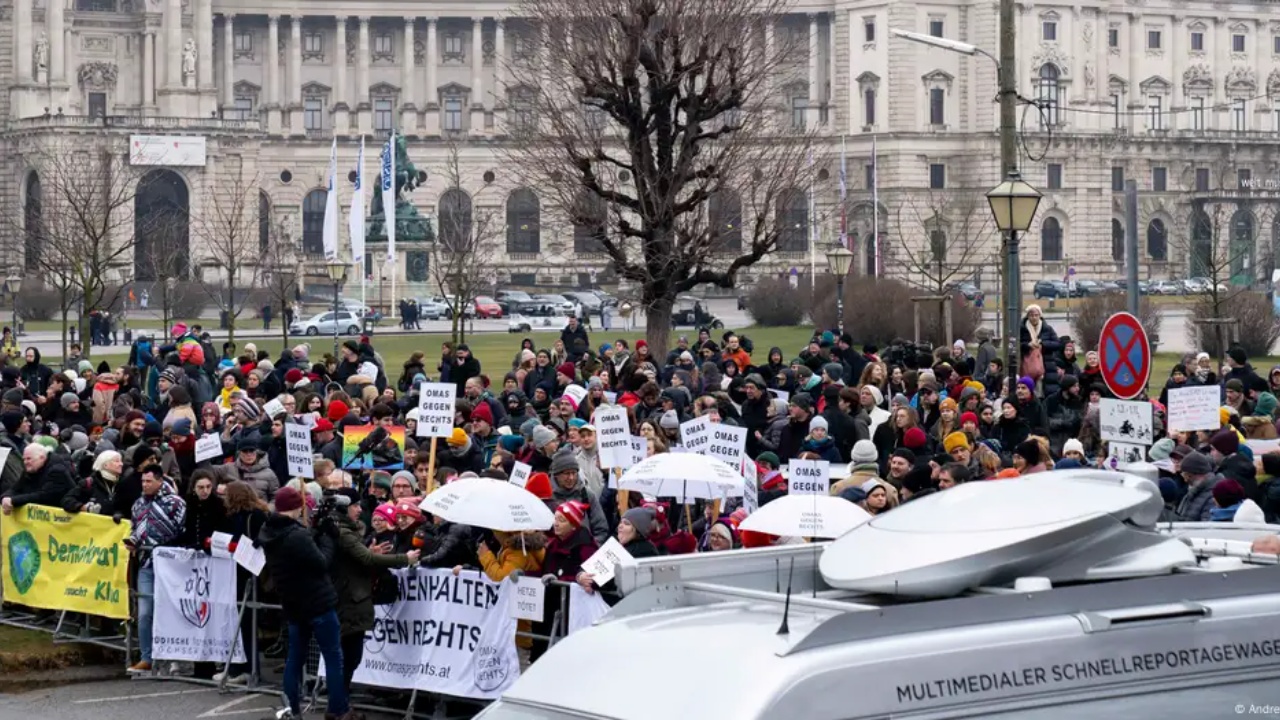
[
  {"x": 1013, "y": 203},
  {"x": 838, "y": 260},
  {"x": 14, "y": 283},
  {"x": 337, "y": 273}
]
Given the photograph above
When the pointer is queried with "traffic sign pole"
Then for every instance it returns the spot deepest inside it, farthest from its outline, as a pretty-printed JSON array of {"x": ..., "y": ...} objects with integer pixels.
[{"x": 1124, "y": 353}]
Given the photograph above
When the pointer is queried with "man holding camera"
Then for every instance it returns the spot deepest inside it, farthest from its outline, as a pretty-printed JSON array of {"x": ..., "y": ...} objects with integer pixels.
[
  {"x": 353, "y": 577},
  {"x": 299, "y": 560}
]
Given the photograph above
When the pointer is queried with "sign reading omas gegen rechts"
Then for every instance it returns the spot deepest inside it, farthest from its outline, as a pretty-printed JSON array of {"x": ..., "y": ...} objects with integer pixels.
[
  {"x": 297, "y": 445},
  {"x": 436, "y": 407}
]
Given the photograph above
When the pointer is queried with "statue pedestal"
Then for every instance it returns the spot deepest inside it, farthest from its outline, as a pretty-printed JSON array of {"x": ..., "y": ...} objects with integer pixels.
[
  {"x": 296, "y": 124},
  {"x": 42, "y": 75},
  {"x": 179, "y": 102}
]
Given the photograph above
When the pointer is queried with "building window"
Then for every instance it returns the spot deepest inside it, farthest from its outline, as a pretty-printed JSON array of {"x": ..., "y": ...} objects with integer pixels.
[
  {"x": 935, "y": 27},
  {"x": 523, "y": 219},
  {"x": 1117, "y": 179},
  {"x": 724, "y": 218},
  {"x": 799, "y": 107},
  {"x": 382, "y": 111},
  {"x": 1051, "y": 240},
  {"x": 1117, "y": 240},
  {"x": 521, "y": 115},
  {"x": 869, "y": 31},
  {"x": 1244, "y": 177},
  {"x": 1115, "y": 110},
  {"x": 590, "y": 222},
  {"x": 382, "y": 45},
  {"x": 243, "y": 43},
  {"x": 453, "y": 114},
  {"x": 793, "y": 215},
  {"x": 1237, "y": 43},
  {"x": 869, "y": 175},
  {"x": 938, "y": 246},
  {"x": 97, "y": 104},
  {"x": 1197, "y": 42},
  {"x": 937, "y": 107},
  {"x": 96, "y": 5},
  {"x": 937, "y": 176},
  {"x": 1202, "y": 179},
  {"x": 313, "y": 44},
  {"x": 1159, "y": 179},
  {"x": 1054, "y": 173},
  {"x": 1155, "y": 112},
  {"x": 452, "y": 46},
  {"x": 243, "y": 108},
  {"x": 1049, "y": 30},
  {"x": 868, "y": 107},
  {"x": 1275, "y": 45},
  {"x": 1197, "y": 113},
  {"x": 1238, "y": 115},
  {"x": 313, "y": 221},
  {"x": 1113, "y": 37},
  {"x": 1157, "y": 240},
  {"x": 313, "y": 113},
  {"x": 1049, "y": 90},
  {"x": 1153, "y": 39}
]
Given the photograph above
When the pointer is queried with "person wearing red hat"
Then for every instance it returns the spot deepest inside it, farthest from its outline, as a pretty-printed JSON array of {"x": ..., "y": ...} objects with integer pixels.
[
  {"x": 337, "y": 410},
  {"x": 569, "y": 546},
  {"x": 292, "y": 377},
  {"x": 539, "y": 484},
  {"x": 409, "y": 520},
  {"x": 969, "y": 424}
]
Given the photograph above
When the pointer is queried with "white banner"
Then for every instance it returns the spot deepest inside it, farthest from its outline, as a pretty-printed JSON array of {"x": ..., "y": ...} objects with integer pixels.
[
  {"x": 297, "y": 447},
  {"x": 355, "y": 220},
  {"x": 728, "y": 444},
  {"x": 1194, "y": 408},
  {"x": 613, "y": 437},
  {"x": 448, "y": 635},
  {"x": 751, "y": 486},
  {"x": 436, "y": 406},
  {"x": 1126, "y": 421},
  {"x": 695, "y": 435},
  {"x": 809, "y": 477},
  {"x": 196, "y": 618}
]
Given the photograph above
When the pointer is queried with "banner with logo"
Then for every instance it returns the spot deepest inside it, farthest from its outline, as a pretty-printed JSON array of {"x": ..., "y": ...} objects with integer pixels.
[
  {"x": 196, "y": 617},
  {"x": 57, "y": 560},
  {"x": 448, "y": 635}
]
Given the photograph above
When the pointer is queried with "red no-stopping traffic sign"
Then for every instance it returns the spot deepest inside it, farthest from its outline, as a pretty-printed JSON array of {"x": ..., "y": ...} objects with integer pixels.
[{"x": 1125, "y": 355}]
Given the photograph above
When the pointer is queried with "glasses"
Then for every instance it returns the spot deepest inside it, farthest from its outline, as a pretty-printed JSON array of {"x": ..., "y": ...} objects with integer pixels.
[{"x": 402, "y": 485}]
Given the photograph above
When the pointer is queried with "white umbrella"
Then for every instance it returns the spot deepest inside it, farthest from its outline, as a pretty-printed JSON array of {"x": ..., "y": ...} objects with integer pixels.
[
  {"x": 684, "y": 476},
  {"x": 817, "y": 516},
  {"x": 490, "y": 504}
]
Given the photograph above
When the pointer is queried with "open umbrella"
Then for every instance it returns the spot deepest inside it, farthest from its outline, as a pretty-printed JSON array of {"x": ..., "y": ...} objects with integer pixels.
[
  {"x": 490, "y": 504},
  {"x": 816, "y": 516},
  {"x": 684, "y": 476}
]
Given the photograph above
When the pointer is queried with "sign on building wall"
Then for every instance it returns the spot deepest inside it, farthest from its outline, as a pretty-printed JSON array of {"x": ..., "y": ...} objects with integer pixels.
[{"x": 171, "y": 150}]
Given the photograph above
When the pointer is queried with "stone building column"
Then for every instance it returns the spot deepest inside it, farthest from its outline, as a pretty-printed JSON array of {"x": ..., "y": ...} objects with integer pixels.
[
  {"x": 173, "y": 43},
  {"x": 432, "y": 101},
  {"x": 296, "y": 125},
  {"x": 341, "y": 106},
  {"x": 54, "y": 10},
  {"x": 409, "y": 76},
  {"x": 149, "y": 69},
  {"x": 1177, "y": 52},
  {"x": 271, "y": 56},
  {"x": 228, "y": 62},
  {"x": 22, "y": 32},
  {"x": 203, "y": 27},
  {"x": 363, "y": 107},
  {"x": 477, "y": 76},
  {"x": 811, "y": 107},
  {"x": 1137, "y": 50}
]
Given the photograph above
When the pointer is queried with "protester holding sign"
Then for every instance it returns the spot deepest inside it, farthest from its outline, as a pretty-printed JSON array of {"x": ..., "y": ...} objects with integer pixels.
[
  {"x": 570, "y": 545},
  {"x": 159, "y": 518}
]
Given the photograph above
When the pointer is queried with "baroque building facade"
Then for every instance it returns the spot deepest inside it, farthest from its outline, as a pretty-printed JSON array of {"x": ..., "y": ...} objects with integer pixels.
[{"x": 1181, "y": 96}]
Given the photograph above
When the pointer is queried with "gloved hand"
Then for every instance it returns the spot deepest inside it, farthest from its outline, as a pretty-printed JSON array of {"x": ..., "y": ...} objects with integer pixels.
[
  {"x": 548, "y": 579},
  {"x": 516, "y": 575},
  {"x": 116, "y": 518}
]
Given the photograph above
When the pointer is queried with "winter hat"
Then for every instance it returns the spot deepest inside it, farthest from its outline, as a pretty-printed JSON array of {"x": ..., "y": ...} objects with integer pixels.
[
  {"x": 918, "y": 479},
  {"x": 457, "y": 438},
  {"x": 179, "y": 329},
  {"x": 1028, "y": 450},
  {"x": 955, "y": 441},
  {"x": 302, "y": 351},
  {"x": 406, "y": 476},
  {"x": 1224, "y": 416},
  {"x": 566, "y": 369},
  {"x": 288, "y": 499},
  {"x": 563, "y": 461},
  {"x": 573, "y": 511},
  {"x": 968, "y": 417},
  {"x": 152, "y": 430},
  {"x": 410, "y": 509},
  {"x": 170, "y": 375},
  {"x": 1026, "y": 380},
  {"x": 542, "y": 436},
  {"x": 900, "y": 400},
  {"x": 949, "y": 404},
  {"x": 1162, "y": 449},
  {"x": 511, "y": 443},
  {"x": 875, "y": 393},
  {"x": 337, "y": 411},
  {"x": 181, "y": 427},
  {"x": 722, "y": 529},
  {"x": 1196, "y": 463},
  {"x": 818, "y": 422},
  {"x": 905, "y": 454},
  {"x": 248, "y": 407},
  {"x": 864, "y": 451},
  {"x": 1228, "y": 492},
  {"x": 835, "y": 371},
  {"x": 802, "y": 401},
  {"x": 134, "y": 415},
  {"x": 387, "y": 512},
  {"x": 1238, "y": 355},
  {"x": 84, "y": 366},
  {"x": 669, "y": 420},
  {"x": 76, "y": 440},
  {"x": 380, "y": 479},
  {"x": 769, "y": 459},
  {"x": 641, "y": 518},
  {"x": 483, "y": 413},
  {"x": 293, "y": 376},
  {"x": 1072, "y": 445},
  {"x": 101, "y": 461},
  {"x": 854, "y": 495},
  {"x": 68, "y": 399},
  {"x": 539, "y": 484},
  {"x": 1225, "y": 441},
  {"x": 1181, "y": 451},
  {"x": 914, "y": 438}
]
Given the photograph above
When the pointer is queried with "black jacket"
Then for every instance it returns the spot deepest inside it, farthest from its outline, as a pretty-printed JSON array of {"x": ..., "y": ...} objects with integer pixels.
[
  {"x": 94, "y": 489},
  {"x": 47, "y": 486},
  {"x": 460, "y": 373},
  {"x": 36, "y": 376},
  {"x": 354, "y": 566},
  {"x": 299, "y": 562},
  {"x": 204, "y": 518},
  {"x": 454, "y": 547}
]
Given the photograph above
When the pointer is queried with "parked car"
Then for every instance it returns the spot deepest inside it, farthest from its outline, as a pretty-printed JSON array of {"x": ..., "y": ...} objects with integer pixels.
[
  {"x": 970, "y": 291},
  {"x": 590, "y": 301},
  {"x": 1167, "y": 287},
  {"x": 486, "y": 307},
  {"x": 518, "y": 323},
  {"x": 1089, "y": 288},
  {"x": 1111, "y": 287},
  {"x": 451, "y": 304},
  {"x": 323, "y": 324},
  {"x": 692, "y": 311},
  {"x": 430, "y": 309},
  {"x": 507, "y": 298},
  {"x": 606, "y": 299},
  {"x": 1050, "y": 289},
  {"x": 559, "y": 301},
  {"x": 355, "y": 307},
  {"x": 535, "y": 308},
  {"x": 1197, "y": 285}
]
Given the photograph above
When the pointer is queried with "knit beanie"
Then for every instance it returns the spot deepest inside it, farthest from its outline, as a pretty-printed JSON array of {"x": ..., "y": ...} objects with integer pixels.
[
  {"x": 641, "y": 518},
  {"x": 573, "y": 511},
  {"x": 955, "y": 441}
]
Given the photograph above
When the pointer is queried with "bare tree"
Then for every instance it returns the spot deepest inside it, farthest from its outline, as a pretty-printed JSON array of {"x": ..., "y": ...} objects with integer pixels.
[
  {"x": 228, "y": 234},
  {"x": 165, "y": 268},
  {"x": 280, "y": 270},
  {"x": 942, "y": 236},
  {"x": 640, "y": 114},
  {"x": 466, "y": 242}
]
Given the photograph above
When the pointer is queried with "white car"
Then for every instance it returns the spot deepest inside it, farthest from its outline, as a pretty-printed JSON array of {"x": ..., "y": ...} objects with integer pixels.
[
  {"x": 347, "y": 323},
  {"x": 560, "y": 302},
  {"x": 355, "y": 307},
  {"x": 526, "y": 323}
]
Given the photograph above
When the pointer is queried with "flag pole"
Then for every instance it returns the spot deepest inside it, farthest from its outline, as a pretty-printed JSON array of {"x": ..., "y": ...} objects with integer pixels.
[{"x": 875, "y": 206}]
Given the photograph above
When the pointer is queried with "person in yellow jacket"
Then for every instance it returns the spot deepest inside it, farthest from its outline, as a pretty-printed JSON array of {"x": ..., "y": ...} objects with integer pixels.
[
  {"x": 520, "y": 551},
  {"x": 9, "y": 344}
]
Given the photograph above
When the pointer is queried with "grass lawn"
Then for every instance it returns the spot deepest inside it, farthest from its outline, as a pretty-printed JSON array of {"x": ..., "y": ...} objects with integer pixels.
[{"x": 30, "y": 650}]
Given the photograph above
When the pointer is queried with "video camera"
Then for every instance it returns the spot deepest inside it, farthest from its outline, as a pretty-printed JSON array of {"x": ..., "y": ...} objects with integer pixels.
[
  {"x": 910, "y": 355},
  {"x": 333, "y": 506}
]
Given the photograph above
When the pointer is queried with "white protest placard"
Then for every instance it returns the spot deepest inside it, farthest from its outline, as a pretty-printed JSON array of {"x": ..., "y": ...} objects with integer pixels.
[
  {"x": 297, "y": 447},
  {"x": 308, "y": 419},
  {"x": 273, "y": 408},
  {"x": 529, "y": 598},
  {"x": 1126, "y": 421},
  {"x": 750, "y": 486},
  {"x": 520, "y": 473},
  {"x": 576, "y": 393},
  {"x": 1262, "y": 447},
  {"x": 1121, "y": 455},
  {"x": 602, "y": 565},
  {"x": 584, "y": 609},
  {"x": 728, "y": 444},
  {"x": 695, "y": 434},
  {"x": 610, "y": 397},
  {"x": 782, "y": 395},
  {"x": 220, "y": 544},
  {"x": 1194, "y": 408},
  {"x": 249, "y": 557},
  {"x": 809, "y": 477},
  {"x": 639, "y": 449},
  {"x": 195, "y": 618},
  {"x": 436, "y": 406},
  {"x": 208, "y": 447},
  {"x": 447, "y": 635},
  {"x": 613, "y": 437},
  {"x": 4, "y": 456}
]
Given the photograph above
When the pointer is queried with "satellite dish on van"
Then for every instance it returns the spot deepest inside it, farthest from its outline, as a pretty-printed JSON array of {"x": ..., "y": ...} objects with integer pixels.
[{"x": 1066, "y": 526}]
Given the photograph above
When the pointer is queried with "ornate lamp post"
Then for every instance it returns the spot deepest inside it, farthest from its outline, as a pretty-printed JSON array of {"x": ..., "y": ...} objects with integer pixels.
[
  {"x": 14, "y": 283},
  {"x": 838, "y": 261},
  {"x": 337, "y": 273},
  {"x": 1013, "y": 203}
]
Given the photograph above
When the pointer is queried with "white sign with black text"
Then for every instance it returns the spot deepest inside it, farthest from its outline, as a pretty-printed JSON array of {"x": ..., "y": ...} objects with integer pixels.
[
  {"x": 603, "y": 564},
  {"x": 436, "y": 407},
  {"x": 613, "y": 437},
  {"x": 297, "y": 446},
  {"x": 1126, "y": 421},
  {"x": 520, "y": 473},
  {"x": 208, "y": 447},
  {"x": 695, "y": 435},
  {"x": 809, "y": 477},
  {"x": 529, "y": 598},
  {"x": 1194, "y": 408},
  {"x": 728, "y": 444}
]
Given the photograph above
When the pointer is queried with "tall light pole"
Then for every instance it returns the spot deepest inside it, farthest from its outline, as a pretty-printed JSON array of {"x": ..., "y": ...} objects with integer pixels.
[
  {"x": 14, "y": 283},
  {"x": 838, "y": 260},
  {"x": 337, "y": 272},
  {"x": 1013, "y": 203}
]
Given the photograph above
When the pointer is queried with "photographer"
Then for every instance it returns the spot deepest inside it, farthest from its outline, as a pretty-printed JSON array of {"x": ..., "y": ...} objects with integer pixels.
[
  {"x": 299, "y": 562},
  {"x": 354, "y": 570}
]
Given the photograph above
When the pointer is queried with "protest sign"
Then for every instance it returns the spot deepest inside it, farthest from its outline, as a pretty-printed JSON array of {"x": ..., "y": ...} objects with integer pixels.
[
  {"x": 695, "y": 434},
  {"x": 639, "y": 449},
  {"x": 728, "y": 444},
  {"x": 297, "y": 447},
  {"x": 1120, "y": 455},
  {"x": 520, "y": 473},
  {"x": 613, "y": 437},
  {"x": 529, "y": 599},
  {"x": 436, "y": 406},
  {"x": 751, "y": 486},
  {"x": 782, "y": 395},
  {"x": 602, "y": 565},
  {"x": 1126, "y": 421},
  {"x": 809, "y": 477},
  {"x": 576, "y": 393},
  {"x": 1194, "y": 408},
  {"x": 220, "y": 544},
  {"x": 196, "y": 618},
  {"x": 273, "y": 409},
  {"x": 448, "y": 635},
  {"x": 65, "y": 561},
  {"x": 208, "y": 447},
  {"x": 249, "y": 557}
]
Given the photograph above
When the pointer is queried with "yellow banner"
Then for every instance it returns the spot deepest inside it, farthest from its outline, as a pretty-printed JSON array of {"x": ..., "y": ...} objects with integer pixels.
[{"x": 65, "y": 561}]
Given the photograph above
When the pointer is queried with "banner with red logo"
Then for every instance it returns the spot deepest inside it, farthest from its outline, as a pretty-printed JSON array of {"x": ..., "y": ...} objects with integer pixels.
[{"x": 196, "y": 617}]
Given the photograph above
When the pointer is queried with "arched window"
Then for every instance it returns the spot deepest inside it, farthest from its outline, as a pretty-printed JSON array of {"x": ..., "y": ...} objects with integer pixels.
[
  {"x": 1243, "y": 226},
  {"x": 1201, "y": 244},
  {"x": 1117, "y": 240},
  {"x": 724, "y": 214},
  {"x": 1051, "y": 240},
  {"x": 313, "y": 221},
  {"x": 793, "y": 221},
  {"x": 455, "y": 220},
  {"x": 1157, "y": 240},
  {"x": 1049, "y": 92},
  {"x": 161, "y": 226},
  {"x": 264, "y": 221},
  {"x": 523, "y": 217},
  {"x": 590, "y": 216},
  {"x": 33, "y": 223},
  {"x": 938, "y": 246}
]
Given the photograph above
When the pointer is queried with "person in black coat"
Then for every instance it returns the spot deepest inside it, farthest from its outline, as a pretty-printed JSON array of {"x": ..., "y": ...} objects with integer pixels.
[
  {"x": 465, "y": 366},
  {"x": 454, "y": 546},
  {"x": 206, "y": 512},
  {"x": 97, "y": 493},
  {"x": 46, "y": 481},
  {"x": 35, "y": 376}
]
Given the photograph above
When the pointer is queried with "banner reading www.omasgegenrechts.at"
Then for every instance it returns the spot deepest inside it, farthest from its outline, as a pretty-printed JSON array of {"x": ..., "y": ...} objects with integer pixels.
[
  {"x": 65, "y": 561},
  {"x": 449, "y": 635}
]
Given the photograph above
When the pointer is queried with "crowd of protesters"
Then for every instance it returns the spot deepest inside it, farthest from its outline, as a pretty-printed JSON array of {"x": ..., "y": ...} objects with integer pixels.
[{"x": 896, "y": 423}]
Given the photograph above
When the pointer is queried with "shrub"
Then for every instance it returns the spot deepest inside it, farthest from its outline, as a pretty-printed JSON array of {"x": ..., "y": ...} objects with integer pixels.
[
  {"x": 880, "y": 310},
  {"x": 38, "y": 304},
  {"x": 773, "y": 303},
  {"x": 186, "y": 300},
  {"x": 1256, "y": 327},
  {"x": 1091, "y": 314}
]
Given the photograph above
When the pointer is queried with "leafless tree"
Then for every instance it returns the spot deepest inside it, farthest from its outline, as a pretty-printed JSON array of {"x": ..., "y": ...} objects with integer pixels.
[
  {"x": 165, "y": 267},
  {"x": 654, "y": 125},
  {"x": 941, "y": 236},
  {"x": 466, "y": 242},
  {"x": 226, "y": 231},
  {"x": 280, "y": 270}
]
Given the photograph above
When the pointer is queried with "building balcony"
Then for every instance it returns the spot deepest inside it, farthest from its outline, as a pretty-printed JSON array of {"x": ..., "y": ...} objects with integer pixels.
[{"x": 135, "y": 121}]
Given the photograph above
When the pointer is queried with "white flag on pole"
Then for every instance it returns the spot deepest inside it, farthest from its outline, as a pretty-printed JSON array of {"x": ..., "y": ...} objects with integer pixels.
[
  {"x": 355, "y": 224},
  {"x": 331, "y": 207},
  {"x": 388, "y": 179}
]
